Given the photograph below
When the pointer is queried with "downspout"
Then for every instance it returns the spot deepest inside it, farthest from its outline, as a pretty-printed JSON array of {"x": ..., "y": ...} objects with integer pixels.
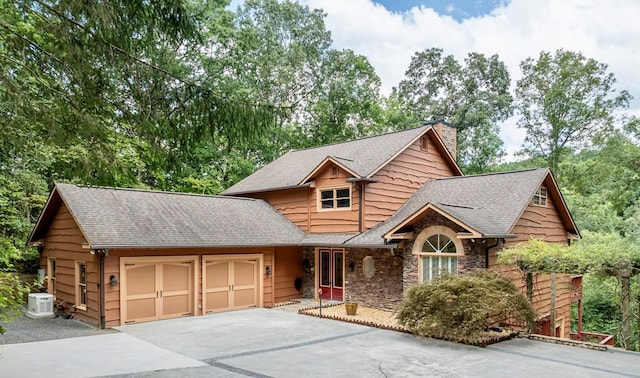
[
  {"x": 360, "y": 206},
  {"x": 486, "y": 253},
  {"x": 360, "y": 184},
  {"x": 103, "y": 253}
]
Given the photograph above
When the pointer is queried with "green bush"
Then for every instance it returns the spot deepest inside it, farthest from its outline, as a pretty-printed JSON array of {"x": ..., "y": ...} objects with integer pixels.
[
  {"x": 12, "y": 293},
  {"x": 464, "y": 306}
]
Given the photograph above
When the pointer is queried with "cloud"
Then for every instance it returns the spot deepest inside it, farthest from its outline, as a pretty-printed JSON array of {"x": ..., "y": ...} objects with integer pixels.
[{"x": 604, "y": 30}]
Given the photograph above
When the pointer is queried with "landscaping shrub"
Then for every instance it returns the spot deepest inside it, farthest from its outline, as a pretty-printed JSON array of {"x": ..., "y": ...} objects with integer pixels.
[{"x": 464, "y": 307}]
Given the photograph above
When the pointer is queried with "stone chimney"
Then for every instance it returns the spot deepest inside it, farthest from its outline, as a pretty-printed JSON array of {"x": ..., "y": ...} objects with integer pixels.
[{"x": 446, "y": 132}]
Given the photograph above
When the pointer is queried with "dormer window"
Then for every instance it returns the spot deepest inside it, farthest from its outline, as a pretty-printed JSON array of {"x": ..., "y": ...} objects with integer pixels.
[
  {"x": 335, "y": 198},
  {"x": 424, "y": 143},
  {"x": 540, "y": 198}
]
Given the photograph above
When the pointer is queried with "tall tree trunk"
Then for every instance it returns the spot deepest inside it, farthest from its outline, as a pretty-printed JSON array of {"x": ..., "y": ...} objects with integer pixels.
[
  {"x": 529, "y": 279},
  {"x": 638, "y": 317},
  {"x": 626, "y": 309}
]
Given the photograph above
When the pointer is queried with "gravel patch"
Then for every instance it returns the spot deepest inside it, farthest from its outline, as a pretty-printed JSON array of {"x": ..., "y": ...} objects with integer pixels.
[{"x": 25, "y": 330}]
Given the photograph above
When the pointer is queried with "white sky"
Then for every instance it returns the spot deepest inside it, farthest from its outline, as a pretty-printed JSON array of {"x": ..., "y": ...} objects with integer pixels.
[{"x": 608, "y": 31}]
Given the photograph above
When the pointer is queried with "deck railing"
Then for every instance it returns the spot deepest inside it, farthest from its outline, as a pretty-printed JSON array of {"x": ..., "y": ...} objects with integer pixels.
[{"x": 599, "y": 338}]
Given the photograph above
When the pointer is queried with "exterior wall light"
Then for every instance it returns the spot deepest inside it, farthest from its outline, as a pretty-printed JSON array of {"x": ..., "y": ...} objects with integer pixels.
[
  {"x": 113, "y": 281},
  {"x": 268, "y": 270}
]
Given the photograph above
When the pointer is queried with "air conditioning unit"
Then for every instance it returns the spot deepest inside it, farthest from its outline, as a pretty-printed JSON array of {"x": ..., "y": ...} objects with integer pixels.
[{"x": 40, "y": 305}]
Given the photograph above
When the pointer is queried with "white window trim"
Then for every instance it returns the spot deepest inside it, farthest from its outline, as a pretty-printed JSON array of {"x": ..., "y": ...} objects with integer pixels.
[
  {"x": 422, "y": 238},
  {"x": 334, "y": 188},
  {"x": 78, "y": 305}
]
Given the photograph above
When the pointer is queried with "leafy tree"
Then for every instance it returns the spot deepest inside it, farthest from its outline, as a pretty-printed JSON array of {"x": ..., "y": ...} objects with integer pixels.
[
  {"x": 280, "y": 52},
  {"x": 603, "y": 185},
  {"x": 348, "y": 104},
  {"x": 473, "y": 96},
  {"x": 82, "y": 75},
  {"x": 565, "y": 101},
  {"x": 12, "y": 292}
]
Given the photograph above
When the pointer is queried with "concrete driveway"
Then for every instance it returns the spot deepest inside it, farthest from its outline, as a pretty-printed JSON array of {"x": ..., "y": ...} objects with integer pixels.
[{"x": 262, "y": 342}]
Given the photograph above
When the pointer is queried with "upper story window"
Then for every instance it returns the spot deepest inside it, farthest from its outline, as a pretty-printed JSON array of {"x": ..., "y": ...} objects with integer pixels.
[
  {"x": 540, "y": 198},
  {"x": 424, "y": 143},
  {"x": 335, "y": 198}
]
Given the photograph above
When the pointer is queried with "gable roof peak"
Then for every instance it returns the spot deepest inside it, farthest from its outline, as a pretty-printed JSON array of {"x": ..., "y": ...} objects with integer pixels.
[{"x": 361, "y": 157}]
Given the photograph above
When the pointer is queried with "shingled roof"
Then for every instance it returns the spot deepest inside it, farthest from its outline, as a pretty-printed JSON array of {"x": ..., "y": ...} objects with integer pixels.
[
  {"x": 128, "y": 218},
  {"x": 363, "y": 157},
  {"x": 488, "y": 204}
]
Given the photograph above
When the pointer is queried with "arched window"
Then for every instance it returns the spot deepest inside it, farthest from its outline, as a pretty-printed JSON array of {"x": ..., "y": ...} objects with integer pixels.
[
  {"x": 438, "y": 249},
  {"x": 438, "y": 255}
]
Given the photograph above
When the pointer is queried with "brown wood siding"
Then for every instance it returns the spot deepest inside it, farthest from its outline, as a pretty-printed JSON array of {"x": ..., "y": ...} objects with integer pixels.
[
  {"x": 400, "y": 179},
  {"x": 63, "y": 242},
  {"x": 288, "y": 267},
  {"x": 540, "y": 223},
  {"x": 292, "y": 203},
  {"x": 325, "y": 221},
  {"x": 112, "y": 293}
]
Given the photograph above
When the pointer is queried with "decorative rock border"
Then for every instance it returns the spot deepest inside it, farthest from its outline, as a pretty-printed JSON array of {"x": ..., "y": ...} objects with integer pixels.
[
  {"x": 568, "y": 342},
  {"x": 287, "y": 303}
]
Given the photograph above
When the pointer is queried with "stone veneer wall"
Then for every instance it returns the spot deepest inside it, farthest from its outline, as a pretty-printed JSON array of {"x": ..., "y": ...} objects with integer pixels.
[
  {"x": 308, "y": 272},
  {"x": 394, "y": 273},
  {"x": 474, "y": 252},
  {"x": 384, "y": 289}
]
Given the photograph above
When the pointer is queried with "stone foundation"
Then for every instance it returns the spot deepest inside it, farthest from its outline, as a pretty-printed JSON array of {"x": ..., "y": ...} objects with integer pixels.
[
  {"x": 308, "y": 273},
  {"x": 384, "y": 289}
]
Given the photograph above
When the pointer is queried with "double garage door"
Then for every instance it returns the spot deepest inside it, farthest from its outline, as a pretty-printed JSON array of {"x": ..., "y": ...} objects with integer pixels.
[{"x": 154, "y": 288}]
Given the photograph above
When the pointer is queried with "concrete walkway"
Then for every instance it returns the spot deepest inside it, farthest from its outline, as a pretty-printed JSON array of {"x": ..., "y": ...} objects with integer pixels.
[{"x": 262, "y": 342}]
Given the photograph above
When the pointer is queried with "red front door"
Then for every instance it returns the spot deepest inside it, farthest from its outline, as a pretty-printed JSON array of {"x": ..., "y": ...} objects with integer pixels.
[{"x": 332, "y": 274}]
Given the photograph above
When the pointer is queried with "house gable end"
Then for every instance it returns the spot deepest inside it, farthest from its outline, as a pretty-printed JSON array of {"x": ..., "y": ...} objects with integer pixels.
[
  {"x": 52, "y": 207},
  {"x": 555, "y": 207},
  {"x": 328, "y": 163},
  {"x": 469, "y": 232},
  {"x": 435, "y": 142},
  {"x": 405, "y": 174}
]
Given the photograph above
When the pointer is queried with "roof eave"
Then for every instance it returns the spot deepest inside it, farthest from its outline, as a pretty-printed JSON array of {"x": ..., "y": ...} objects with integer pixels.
[
  {"x": 167, "y": 246},
  {"x": 231, "y": 194}
]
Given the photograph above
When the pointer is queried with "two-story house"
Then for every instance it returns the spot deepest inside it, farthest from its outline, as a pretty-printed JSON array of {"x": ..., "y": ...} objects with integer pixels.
[{"x": 361, "y": 220}]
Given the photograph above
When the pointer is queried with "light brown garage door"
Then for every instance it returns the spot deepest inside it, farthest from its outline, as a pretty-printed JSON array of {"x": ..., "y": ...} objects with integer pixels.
[
  {"x": 231, "y": 282},
  {"x": 157, "y": 288}
]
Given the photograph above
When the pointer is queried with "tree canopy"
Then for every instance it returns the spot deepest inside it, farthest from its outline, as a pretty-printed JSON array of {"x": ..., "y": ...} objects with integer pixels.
[
  {"x": 474, "y": 96},
  {"x": 566, "y": 101}
]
